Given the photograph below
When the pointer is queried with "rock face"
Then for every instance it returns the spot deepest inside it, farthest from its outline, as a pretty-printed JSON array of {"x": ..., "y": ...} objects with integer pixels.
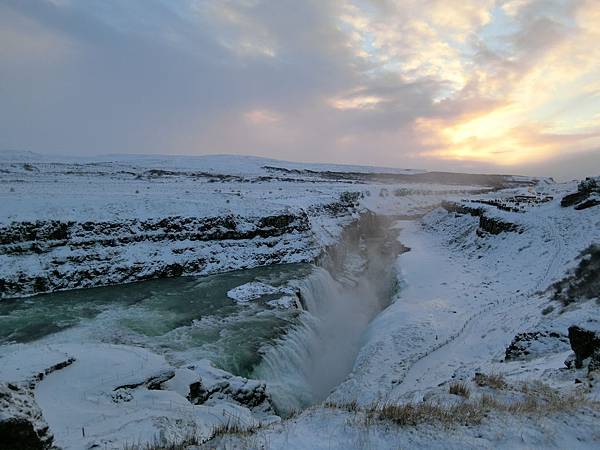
[
  {"x": 49, "y": 255},
  {"x": 583, "y": 282},
  {"x": 535, "y": 343},
  {"x": 587, "y": 195},
  {"x": 21, "y": 423},
  {"x": 584, "y": 343},
  {"x": 487, "y": 224},
  {"x": 218, "y": 384}
]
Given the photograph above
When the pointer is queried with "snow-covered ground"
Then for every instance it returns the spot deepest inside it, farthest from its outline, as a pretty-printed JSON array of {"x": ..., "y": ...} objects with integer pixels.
[
  {"x": 479, "y": 272},
  {"x": 83, "y": 223},
  {"x": 464, "y": 297}
]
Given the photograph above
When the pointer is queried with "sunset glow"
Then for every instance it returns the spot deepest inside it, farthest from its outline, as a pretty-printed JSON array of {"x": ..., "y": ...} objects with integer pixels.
[{"x": 507, "y": 84}]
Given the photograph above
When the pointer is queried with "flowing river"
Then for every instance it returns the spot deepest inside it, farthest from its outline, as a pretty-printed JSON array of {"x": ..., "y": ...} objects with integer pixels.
[{"x": 302, "y": 353}]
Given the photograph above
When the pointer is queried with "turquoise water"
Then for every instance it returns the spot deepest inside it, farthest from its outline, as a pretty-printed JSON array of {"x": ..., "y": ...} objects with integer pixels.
[{"x": 186, "y": 318}]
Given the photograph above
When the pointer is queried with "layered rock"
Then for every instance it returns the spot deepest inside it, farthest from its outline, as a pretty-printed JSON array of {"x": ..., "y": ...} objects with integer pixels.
[
  {"x": 587, "y": 195},
  {"x": 487, "y": 224},
  {"x": 49, "y": 255},
  {"x": 535, "y": 344}
]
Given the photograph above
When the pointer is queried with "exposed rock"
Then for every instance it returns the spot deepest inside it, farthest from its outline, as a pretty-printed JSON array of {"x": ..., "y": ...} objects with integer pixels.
[
  {"x": 21, "y": 423},
  {"x": 581, "y": 199},
  {"x": 449, "y": 178},
  {"x": 72, "y": 255},
  {"x": 153, "y": 383},
  {"x": 218, "y": 384},
  {"x": 487, "y": 224},
  {"x": 588, "y": 204},
  {"x": 594, "y": 364},
  {"x": 582, "y": 283},
  {"x": 570, "y": 361},
  {"x": 495, "y": 226},
  {"x": 584, "y": 343},
  {"x": 535, "y": 343}
]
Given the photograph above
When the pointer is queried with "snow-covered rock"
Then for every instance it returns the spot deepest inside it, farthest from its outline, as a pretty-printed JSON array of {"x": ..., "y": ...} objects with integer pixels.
[{"x": 22, "y": 425}]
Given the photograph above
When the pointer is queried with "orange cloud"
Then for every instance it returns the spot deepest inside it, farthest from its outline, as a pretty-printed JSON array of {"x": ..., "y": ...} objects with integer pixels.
[
  {"x": 262, "y": 116},
  {"x": 541, "y": 96}
]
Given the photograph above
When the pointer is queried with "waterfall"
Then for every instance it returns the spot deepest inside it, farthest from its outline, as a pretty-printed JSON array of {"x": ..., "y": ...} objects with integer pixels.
[{"x": 318, "y": 353}]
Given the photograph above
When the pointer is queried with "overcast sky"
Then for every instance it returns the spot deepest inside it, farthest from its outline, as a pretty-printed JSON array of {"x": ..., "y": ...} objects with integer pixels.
[{"x": 488, "y": 85}]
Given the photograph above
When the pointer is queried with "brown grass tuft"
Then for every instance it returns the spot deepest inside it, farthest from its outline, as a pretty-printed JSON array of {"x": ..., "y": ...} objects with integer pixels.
[
  {"x": 460, "y": 388},
  {"x": 493, "y": 380}
]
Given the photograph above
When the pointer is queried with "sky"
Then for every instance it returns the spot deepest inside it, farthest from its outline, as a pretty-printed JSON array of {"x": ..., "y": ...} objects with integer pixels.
[{"x": 509, "y": 86}]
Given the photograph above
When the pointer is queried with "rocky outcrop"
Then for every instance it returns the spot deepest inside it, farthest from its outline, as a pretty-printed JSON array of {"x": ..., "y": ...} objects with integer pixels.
[
  {"x": 535, "y": 344},
  {"x": 583, "y": 282},
  {"x": 50, "y": 255},
  {"x": 584, "y": 342},
  {"x": 495, "y": 226},
  {"x": 217, "y": 384},
  {"x": 21, "y": 423},
  {"x": 487, "y": 224},
  {"x": 154, "y": 383},
  {"x": 587, "y": 195},
  {"x": 449, "y": 178}
]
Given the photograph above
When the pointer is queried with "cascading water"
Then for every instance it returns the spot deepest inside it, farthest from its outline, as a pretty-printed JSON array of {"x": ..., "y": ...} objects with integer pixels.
[
  {"x": 340, "y": 300},
  {"x": 302, "y": 355}
]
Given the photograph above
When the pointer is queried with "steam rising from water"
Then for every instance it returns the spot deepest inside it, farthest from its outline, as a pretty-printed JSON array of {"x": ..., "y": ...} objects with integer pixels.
[{"x": 317, "y": 355}]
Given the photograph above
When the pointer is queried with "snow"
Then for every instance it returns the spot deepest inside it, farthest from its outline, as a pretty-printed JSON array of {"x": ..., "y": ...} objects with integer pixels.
[
  {"x": 462, "y": 299},
  {"x": 83, "y": 398},
  {"x": 250, "y": 291},
  {"x": 463, "y": 296}
]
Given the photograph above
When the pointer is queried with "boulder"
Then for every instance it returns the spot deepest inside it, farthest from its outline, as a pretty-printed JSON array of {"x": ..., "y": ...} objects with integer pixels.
[
  {"x": 589, "y": 187},
  {"x": 215, "y": 383},
  {"x": 584, "y": 343},
  {"x": 21, "y": 423},
  {"x": 535, "y": 344}
]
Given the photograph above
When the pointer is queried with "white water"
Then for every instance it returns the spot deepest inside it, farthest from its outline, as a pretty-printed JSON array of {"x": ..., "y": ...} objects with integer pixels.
[{"x": 310, "y": 360}]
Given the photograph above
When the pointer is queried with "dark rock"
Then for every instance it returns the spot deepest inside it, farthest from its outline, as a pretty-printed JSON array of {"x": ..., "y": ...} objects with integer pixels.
[
  {"x": 594, "y": 361},
  {"x": 19, "y": 434},
  {"x": 22, "y": 426},
  {"x": 573, "y": 199},
  {"x": 198, "y": 394},
  {"x": 580, "y": 198},
  {"x": 582, "y": 283},
  {"x": 487, "y": 224},
  {"x": 588, "y": 204},
  {"x": 570, "y": 361},
  {"x": 495, "y": 226},
  {"x": 153, "y": 383},
  {"x": 535, "y": 343},
  {"x": 584, "y": 343}
]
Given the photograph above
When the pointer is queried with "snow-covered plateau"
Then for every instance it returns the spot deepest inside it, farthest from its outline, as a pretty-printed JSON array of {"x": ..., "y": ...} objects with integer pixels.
[{"x": 239, "y": 302}]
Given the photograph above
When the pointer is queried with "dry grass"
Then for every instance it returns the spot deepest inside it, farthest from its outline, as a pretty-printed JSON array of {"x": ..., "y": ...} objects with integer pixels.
[
  {"x": 413, "y": 414},
  {"x": 493, "y": 380},
  {"x": 157, "y": 445},
  {"x": 350, "y": 406},
  {"x": 232, "y": 428},
  {"x": 460, "y": 388},
  {"x": 535, "y": 398}
]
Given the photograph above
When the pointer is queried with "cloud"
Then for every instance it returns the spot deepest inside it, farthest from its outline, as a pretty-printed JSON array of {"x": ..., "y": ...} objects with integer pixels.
[{"x": 421, "y": 83}]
